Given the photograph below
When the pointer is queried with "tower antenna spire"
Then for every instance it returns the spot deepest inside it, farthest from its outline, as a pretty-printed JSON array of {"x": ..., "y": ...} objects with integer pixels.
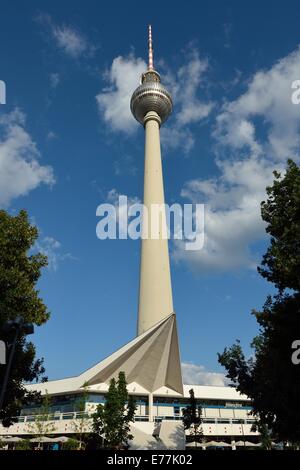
[{"x": 150, "y": 63}]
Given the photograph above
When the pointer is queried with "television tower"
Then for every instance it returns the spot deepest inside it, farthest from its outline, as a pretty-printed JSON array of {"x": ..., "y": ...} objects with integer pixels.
[
  {"x": 151, "y": 104},
  {"x": 152, "y": 359}
]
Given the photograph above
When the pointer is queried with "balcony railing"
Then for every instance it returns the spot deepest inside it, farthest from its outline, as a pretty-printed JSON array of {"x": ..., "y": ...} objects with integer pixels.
[
  {"x": 54, "y": 416},
  {"x": 79, "y": 415}
]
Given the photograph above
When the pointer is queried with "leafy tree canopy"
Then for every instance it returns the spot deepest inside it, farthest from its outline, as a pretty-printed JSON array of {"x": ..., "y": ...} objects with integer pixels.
[
  {"x": 113, "y": 418},
  {"x": 192, "y": 417},
  {"x": 281, "y": 212},
  {"x": 270, "y": 378},
  {"x": 19, "y": 273}
]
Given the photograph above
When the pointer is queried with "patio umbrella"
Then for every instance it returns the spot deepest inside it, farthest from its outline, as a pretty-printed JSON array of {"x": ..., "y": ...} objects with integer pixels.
[
  {"x": 214, "y": 444},
  {"x": 239, "y": 443},
  {"x": 252, "y": 444},
  {"x": 60, "y": 439},
  {"x": 193, "y": 444},
  {"x": 246, "y": 444},
  {"x": 9, "y": 439},
  {"x": 224, "y": 444},
  {"x": 41, "y": 439}
]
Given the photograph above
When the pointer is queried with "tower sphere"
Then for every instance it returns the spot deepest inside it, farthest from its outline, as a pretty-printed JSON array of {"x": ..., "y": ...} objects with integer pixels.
[{"x": 151, "y": 95}]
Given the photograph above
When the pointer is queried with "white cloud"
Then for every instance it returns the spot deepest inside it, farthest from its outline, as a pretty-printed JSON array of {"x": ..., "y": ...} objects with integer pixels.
[
  {"x": 268, "y": 97},
  {"x": 123, "y": 78},
  {"x": 189, "y": 109},
  {"x": 121, "y": 208},
  {"x": 232, "y": 215},
  {"x": 174, "y": 136},
  {"x": 255, "y": 134},
  {"x": 51, "y": 135},
  {"x": 114, "y": 101},
  {"x": 52, "y": 249},
  {"x": 54, "y": 80},
  {"x": 188, "y": 81},
  {"x": 193, "y": 374},
  {"x": 20, "y": 170},
  {"x": 67, "y": 38},
  {"x": 70, "y": 41}
]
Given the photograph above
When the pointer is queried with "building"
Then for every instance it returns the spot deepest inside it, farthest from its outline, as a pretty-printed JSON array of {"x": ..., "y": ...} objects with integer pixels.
[{"x": 151, "y": 361}]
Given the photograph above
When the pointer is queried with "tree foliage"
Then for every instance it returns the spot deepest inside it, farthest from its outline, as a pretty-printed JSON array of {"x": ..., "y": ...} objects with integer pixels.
[
  {"x": 81, "y": 424},
  {"x": 113, "y": 418},
  {"x": 19, "y": 273},
  {"x": 25, "y": 444},
  {"x": 71, "y": 444},
  {"x": 270, "y": 378},
  {"x": 265, "y": 434},
  {"x": 281, "y": 212},
  {"x": 43, "y": 422},
  {"x": 192, "y": 417}
]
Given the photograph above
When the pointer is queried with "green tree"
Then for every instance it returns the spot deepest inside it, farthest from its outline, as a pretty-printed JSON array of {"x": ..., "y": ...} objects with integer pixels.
[
  {"x": 269, "y": 378},
  {"x": 25, "y": 444},
  {"x": 43, "y": 422},
  {"x": 192, "y": 417},
  {"x": 281, "y": 212},
  {"x": 81, "y": 424},
  {"x": 265, "y": 435},
  {"x": 71, "y": 444},
  {"x": 19, "y": 273},
  {"x": 113, "y": 418}
]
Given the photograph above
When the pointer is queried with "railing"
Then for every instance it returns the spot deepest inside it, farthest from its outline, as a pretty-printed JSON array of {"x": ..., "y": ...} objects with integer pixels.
[
  {"x": 54, "y": 416},
  {"x": 208, "y": 420},
  {"x": 79, "y": 415}
]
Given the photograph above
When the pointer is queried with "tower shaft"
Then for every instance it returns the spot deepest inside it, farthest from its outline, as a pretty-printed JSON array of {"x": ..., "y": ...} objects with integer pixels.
[{"x": 155, "y": 292}]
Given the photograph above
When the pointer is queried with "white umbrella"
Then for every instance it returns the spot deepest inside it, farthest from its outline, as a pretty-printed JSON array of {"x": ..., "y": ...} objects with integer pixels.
[
  {"x": 214, "y": 444},
  {"x": 193, "y": 444},
  {"x": 239, "y": 443},
  {"x": 224, "y": 444},
  {"x": 60, "y": 439},
  {"x": 246, "y": 444},
  {"x": 41, "y": 439},
  {"x": 12, "y": 439},
  {"x": 252, "y": 444}
]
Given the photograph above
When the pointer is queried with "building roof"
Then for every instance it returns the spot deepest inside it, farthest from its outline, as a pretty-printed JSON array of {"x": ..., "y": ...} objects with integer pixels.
[
  {"x": 151, "y": 364},
  {"x": 150, "y": 361}
]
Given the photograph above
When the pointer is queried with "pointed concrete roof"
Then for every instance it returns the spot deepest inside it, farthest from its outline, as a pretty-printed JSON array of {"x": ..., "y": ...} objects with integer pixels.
[{"x": 151, "y": 360}]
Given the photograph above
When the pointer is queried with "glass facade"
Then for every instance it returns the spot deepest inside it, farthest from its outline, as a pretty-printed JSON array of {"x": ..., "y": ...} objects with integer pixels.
[
  {"x": 70, "y": 403},
  {"x": 58, "y": 404}
]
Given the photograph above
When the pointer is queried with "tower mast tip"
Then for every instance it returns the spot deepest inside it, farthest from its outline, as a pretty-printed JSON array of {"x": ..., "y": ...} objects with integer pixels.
[{"x": 150, "y": 62}]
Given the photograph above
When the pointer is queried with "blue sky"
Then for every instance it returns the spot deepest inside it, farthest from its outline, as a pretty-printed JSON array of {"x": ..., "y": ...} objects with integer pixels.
[{"x": 69, "y": 143}]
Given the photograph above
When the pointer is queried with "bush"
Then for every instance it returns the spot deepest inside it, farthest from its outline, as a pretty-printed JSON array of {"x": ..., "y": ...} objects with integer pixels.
[
  {"x": 23, "y": 445},
  {"x": 71, "y": 444}
]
